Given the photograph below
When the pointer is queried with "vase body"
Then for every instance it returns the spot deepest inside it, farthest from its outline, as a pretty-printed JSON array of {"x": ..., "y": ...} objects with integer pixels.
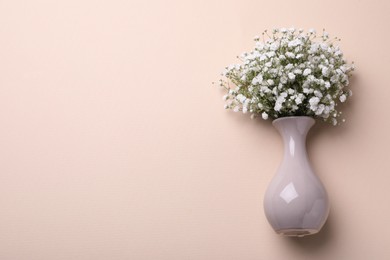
[{"x": 296, "y": 202}]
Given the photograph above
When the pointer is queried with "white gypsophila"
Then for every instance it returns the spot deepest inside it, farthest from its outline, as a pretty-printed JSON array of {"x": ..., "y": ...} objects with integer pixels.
[
  {"x": 264, "y": 115},
  {"x": 291, "y": 76},
  {"x": 306, "y": 72},
  {"x": 289, "y": 73}
]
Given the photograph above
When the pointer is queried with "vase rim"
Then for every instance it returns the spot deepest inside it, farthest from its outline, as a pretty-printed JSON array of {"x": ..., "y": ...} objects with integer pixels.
[{"x": 292, "y": 117}]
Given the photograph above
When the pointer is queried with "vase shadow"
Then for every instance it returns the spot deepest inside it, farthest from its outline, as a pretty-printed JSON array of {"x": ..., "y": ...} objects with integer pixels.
[{"x": 313, "y": 243}]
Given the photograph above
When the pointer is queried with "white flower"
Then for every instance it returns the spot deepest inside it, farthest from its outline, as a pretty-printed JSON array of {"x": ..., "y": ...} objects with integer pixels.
[
  {"x": 297, "y": 71},
  {"x": 325, "y": 71},
  {"x": 257, "y": 80},
  {"x": 338, "y": 53},
  {"x": 306, "y": 72},
  {"x": 270, "y": 54},
  {"x": 326, "y": 111},
  {"x": 291, "y": 76},
  {"x": 320, "y": 109},
  {"x": 312, "y": 31},
  {"x": 317, "y": 94},
  {"x": 313, "y": 103},
  {"x": 283, "y": 80},
  {"x": 274, "y": 46},
  {"x": 264, "y": 115},
  {"x": 314, "y": 48},
  {"x": 299, "y": 99},
  {"x": 290, "y": 54},
  {"x": 264, "y": 89},
  {"x": 334, "y": 78},
  {"x": 294, "y": 43},
  {"x": 277, "y": 106},
  {"x": 270, "y": 82},
  {"x": 294, "y": 71}
]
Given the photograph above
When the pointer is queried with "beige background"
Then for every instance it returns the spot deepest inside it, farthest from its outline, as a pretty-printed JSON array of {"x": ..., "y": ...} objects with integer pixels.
[{"x": 114, "y": 144}]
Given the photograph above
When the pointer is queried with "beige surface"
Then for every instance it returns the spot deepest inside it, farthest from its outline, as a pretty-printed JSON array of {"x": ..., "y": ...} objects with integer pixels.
[{"x": 114, "y": 144}]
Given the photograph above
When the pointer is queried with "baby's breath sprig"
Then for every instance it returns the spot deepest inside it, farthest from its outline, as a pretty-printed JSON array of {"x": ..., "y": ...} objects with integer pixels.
[{"x": 289, "y": 73}]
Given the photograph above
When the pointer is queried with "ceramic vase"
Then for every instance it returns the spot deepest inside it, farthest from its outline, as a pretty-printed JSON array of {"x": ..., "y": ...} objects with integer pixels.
[{"x": 296, "y": 202}]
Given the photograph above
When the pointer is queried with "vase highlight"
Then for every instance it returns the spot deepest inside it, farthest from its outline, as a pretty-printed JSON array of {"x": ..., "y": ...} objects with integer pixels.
[{"x": 296, "y": 202}]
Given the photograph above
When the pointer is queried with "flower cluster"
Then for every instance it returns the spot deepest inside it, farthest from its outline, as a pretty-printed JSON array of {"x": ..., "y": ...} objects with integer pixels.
[{"x": 289, "y": 73}]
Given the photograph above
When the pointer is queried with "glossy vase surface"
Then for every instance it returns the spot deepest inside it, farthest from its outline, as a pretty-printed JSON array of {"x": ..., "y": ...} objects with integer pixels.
[{"x": 296, "y": 202}]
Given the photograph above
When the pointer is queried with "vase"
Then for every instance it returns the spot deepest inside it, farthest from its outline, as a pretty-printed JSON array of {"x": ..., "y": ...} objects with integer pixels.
[{"x": 296, "y": 202}]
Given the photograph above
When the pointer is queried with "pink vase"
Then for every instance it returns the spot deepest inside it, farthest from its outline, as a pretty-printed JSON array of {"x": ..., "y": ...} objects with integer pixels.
[{"x": 296, "y": 202}]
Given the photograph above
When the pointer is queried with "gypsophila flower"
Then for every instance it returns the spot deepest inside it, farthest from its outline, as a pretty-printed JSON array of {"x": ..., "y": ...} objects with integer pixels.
[
  {"x": 314, "y": 103},
  {"x": 325, "y": 71},
  {"x": 264, "y": 115},
  {"x": 299, "y": 98},
  {"x": 290, "y": 73},
  {"x": 306, "y": 72},
  {"x": 291, "y": 76}
]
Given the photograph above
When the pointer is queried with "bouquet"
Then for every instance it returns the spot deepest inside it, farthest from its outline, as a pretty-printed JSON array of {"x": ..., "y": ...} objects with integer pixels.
[{"x": 289, "y": 73}]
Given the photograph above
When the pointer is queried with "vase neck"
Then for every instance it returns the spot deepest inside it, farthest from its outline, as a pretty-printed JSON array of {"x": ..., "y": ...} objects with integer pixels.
[{"x": 294, "y": 131}]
